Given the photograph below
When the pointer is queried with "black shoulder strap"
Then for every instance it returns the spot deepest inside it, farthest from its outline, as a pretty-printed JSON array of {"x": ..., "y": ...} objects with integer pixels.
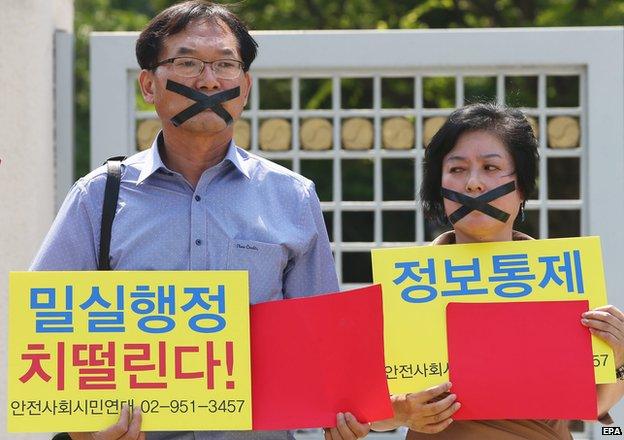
[{"x": 109, "y": 207}]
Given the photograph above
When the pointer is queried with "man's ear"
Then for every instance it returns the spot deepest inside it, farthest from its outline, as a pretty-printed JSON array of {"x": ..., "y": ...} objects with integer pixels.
[{"x": 146, "y": 83}]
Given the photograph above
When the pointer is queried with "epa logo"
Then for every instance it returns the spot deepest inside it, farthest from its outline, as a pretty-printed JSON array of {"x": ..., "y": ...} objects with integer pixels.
[{"x": 611, "y": 430}]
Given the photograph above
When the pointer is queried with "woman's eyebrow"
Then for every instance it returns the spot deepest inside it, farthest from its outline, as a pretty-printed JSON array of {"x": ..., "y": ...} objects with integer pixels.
[
  {"x": 481, "y": 156},
  {"x": 454, "y": 158}
]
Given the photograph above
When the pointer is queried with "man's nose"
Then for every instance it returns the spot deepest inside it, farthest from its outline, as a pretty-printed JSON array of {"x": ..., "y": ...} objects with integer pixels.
[{"x": 207, "y": 79}]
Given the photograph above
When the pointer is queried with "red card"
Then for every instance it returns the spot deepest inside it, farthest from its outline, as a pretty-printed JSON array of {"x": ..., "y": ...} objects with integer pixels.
[
  {"x": 521, "y": 360},
  {"x": 314, "y": 357}
]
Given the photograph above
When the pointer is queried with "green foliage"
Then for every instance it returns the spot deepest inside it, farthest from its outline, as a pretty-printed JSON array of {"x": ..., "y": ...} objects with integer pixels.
[
  {"x": 439, "y": 92},
  {"x": 90, "y": 16},
  {"x": 132, "y": 15},
  {"x": 480, "y": 89},
  {"x": 316, "y": 93}
]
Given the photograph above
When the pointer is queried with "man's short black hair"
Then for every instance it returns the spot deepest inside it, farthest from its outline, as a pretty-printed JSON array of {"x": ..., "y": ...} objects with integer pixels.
[
  {"x": 175, "y": 19},
  {"x": 508, "y": 124}
]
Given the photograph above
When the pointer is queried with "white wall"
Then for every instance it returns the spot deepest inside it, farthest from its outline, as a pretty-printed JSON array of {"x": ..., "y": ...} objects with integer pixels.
[{"x": 27, "y": 170}]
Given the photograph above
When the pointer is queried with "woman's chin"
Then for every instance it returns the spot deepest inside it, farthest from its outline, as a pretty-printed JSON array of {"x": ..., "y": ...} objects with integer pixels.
[{"x": 482, "y": 229}]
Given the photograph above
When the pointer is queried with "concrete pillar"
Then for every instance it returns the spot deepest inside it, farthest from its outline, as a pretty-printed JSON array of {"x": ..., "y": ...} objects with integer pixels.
[{"x": 27, "y": 168}]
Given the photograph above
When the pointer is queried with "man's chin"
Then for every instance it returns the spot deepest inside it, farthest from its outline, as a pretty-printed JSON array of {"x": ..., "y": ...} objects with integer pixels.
[{"x": 203, "y": 125}]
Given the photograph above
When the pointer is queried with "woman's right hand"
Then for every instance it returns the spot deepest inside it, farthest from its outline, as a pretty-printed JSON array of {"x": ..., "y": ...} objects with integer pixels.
[
  {"x": 427, "y": 411},
  {"x": 128, "y": 427}
]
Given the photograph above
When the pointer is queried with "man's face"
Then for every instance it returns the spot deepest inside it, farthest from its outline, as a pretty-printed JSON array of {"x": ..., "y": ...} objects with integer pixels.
[{"x": 208, "y": 41}]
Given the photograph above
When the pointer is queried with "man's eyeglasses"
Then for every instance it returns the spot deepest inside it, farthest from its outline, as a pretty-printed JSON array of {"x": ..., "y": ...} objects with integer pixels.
[{"x": 190, "y": 67}]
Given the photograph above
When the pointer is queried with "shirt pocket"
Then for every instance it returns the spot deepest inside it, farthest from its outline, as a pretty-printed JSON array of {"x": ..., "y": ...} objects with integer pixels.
[{"x": 265, "y": 263}]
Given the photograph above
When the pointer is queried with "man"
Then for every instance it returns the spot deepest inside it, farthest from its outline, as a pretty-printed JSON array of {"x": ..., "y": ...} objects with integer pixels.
[{"x": 195, "y": 201}]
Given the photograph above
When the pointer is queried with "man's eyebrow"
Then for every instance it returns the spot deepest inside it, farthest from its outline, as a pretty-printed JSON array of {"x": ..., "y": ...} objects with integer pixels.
[
  {"x": 491, "y": 155},
  {"x": 227, "y": 52},
  {"x": 183, "y": 50}
]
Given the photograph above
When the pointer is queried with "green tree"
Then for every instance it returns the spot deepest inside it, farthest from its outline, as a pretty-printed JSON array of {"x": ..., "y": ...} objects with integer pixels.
[
  {"x": 132, "y": 15},
  {"x": 90, "y": 16}
]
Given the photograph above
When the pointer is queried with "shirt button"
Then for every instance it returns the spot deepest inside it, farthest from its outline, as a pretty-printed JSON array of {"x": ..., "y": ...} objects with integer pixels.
[
  {"x": 198, "y": 198},
  {"x": 198, "y": 242}
]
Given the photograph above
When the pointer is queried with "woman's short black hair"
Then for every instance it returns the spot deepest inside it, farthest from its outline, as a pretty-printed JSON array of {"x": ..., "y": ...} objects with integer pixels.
[
  {"x": 511, "y": 127},
  {"x": 175, "y": 19}
]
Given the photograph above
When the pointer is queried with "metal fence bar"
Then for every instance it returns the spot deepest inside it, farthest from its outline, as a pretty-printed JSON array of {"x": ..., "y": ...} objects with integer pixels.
[
  {"x": 377, "y": 172},
  {"x": 337, "y": 184},
  {"x": 63, "y": 113},
  {"x": 543, "y": 164}
]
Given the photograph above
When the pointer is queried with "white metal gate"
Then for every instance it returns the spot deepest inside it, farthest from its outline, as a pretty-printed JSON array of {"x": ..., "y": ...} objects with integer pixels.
[{"x": 386, "y": 92}]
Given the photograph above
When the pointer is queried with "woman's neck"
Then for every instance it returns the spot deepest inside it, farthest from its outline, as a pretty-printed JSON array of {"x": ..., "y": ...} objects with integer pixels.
[{"x": 463, "y": 238}]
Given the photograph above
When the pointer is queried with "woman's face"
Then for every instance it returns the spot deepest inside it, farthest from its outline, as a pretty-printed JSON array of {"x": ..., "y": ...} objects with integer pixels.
[{"x": 477, "y": 164}]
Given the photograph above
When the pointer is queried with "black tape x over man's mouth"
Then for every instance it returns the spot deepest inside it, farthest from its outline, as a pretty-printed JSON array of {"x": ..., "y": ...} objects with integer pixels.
[{"x": 202, "y": 102}]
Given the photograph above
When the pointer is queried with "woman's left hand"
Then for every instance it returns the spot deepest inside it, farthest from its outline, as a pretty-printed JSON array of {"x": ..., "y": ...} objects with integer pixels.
[
  {"x": 347, "y": 428},
  {"x": 607, "y": 322}
]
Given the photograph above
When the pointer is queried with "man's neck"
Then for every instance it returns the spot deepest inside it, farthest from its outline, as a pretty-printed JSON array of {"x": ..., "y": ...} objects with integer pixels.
[{"x": 191, "y": 155}]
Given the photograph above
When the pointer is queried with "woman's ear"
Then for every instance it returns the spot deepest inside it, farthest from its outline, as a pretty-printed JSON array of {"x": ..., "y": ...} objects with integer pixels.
[{"x": 521, "y": 211}]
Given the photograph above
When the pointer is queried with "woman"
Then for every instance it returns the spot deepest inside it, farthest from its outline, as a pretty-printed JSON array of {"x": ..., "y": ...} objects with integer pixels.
[{"x": 481, "y": 148}]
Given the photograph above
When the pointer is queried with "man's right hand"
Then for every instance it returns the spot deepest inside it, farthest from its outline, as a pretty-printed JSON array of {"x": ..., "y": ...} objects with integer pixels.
[
  {"x": 128, "y": 427},
  {"x": 427, "y": 411}
]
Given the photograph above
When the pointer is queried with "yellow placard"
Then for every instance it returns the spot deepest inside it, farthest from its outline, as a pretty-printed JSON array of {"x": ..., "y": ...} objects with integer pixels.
[
  {"x": 176, "y": 344},
  {"x": 418, "y": 283}
]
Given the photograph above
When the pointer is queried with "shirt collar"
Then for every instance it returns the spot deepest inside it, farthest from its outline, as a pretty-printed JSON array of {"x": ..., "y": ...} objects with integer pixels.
[
  {"x": 153, "y": 161},
  {"x": 239, "y": 158}
]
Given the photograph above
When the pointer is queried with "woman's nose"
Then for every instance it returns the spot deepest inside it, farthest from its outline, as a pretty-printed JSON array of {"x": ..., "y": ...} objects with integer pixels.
[{"x": 474, "y": 183}]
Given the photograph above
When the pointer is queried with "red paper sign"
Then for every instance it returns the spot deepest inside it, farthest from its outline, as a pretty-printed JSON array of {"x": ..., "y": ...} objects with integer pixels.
[
  {"x": 314, "y": 357},
  {"x": 523, "y": 360}
]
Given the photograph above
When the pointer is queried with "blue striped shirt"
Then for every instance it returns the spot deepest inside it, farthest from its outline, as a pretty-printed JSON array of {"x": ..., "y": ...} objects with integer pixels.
[{"x": 245, "y": 213}]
